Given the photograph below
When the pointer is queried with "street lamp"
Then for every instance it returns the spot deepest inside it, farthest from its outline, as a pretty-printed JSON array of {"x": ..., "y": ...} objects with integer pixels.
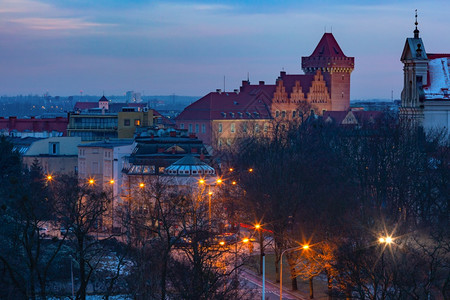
[
  {"x": 303, "y": 247},
  {"x": 91, "y": 181},
  {"x": 385, "y": 240}
]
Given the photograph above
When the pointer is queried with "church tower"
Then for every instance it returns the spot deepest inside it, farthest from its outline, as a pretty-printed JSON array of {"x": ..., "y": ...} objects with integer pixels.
[
  {"x": 336, "y": 69},
  {"x": 415, "y": 66}
]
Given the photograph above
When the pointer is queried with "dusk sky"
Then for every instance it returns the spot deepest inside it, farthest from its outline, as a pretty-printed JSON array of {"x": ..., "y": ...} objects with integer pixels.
[{"x": 186, "y": 48}]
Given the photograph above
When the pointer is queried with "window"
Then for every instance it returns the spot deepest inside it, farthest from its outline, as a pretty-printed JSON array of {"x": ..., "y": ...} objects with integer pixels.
[
  {"x": 182, "y": 126},
  {"x": 161, "y": 170},
  {"x": 190, "y": 128},
  {"x": 277, "y": 114},
  {"x": 203, "y": 128},
  {"x": 266, "y": 127},
  {"x": 197, "y": 128},
  {"x": 293, "y": 114},
  {"x": 244, "y": 127},
  {"x": 126, "y": 122},
  {"x": 231, "y": 114},
  {"x": 220, "y": 127},
  {"x": 53, "y": 148},
  {"x": 256, "y": 127},
  {"x": 232, "y": 128},
  {"x": 342, "y": 95},
  {"x": 94, "y": 167},
  {"x": 342, "y": 77},
  {"x": 137, "y": 122},
  {"x": 283, "y": 114}
]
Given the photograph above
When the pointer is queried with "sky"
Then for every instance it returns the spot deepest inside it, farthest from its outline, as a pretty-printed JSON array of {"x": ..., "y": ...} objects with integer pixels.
[{"x": 168, "y": 47}]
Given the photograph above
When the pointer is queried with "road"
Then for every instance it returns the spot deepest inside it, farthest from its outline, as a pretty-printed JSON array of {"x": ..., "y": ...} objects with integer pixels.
[{"x": 272, "y": 291}]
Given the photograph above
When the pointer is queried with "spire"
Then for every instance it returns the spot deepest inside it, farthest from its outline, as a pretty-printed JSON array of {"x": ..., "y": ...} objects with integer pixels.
[{"x": 416, "y": 31}]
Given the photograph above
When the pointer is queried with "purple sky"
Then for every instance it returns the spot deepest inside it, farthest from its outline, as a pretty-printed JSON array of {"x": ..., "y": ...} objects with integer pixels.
[{"x": 184, "y": 47}]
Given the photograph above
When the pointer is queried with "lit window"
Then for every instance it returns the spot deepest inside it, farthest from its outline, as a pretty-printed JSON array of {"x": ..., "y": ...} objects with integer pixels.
[{"x": 137, "y": 122}]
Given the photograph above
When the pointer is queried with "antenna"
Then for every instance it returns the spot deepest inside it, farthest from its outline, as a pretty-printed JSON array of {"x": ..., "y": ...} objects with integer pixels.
[{"x": 223, "y": 83}]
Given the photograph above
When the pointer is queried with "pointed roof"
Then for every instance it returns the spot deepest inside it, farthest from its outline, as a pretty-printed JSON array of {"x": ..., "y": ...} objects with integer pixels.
[
  {"x": 328, "y": 47},
  {"x": 103, "y": 98}
]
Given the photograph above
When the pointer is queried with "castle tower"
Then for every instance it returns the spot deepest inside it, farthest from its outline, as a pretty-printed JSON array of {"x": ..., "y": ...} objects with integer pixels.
[
  {"x": 415, "y": 66},
  {"x": 335, "y": 67}
]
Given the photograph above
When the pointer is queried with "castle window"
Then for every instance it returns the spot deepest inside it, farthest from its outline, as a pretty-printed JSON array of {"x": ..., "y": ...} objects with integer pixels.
[
  {"x": 283, "y": 114},
  {"x": 232, "y": 128},
  {"x": 277, "y": 114},
  {"x": 220, "y": 127},
  {"x": 293, "y": 114},
  {"x": 244, "y": 127}
]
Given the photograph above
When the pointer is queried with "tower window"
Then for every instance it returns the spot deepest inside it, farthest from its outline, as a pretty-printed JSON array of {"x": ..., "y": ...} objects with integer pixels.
[{"x": 342, "y": 77}]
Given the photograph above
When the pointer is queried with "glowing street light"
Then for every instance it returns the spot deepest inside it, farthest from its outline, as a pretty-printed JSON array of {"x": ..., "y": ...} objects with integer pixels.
[
  {"x": 233, "y": 183},
  {"x": 250, "y": 170},
  {"x": 219, "y": 181},
  {"x": 49, "y": 177},
  {"x": 91, "y": 181},
  {"x": 221, "y": 243},
  {"x": 245, "y": 240},
  {"x": 231, "y": 169},
  {"x": 111, "y": 181},
  {"x": 201, "y": 181},
  {"x": 385, "y": 240},
  {"x": 305, "y": 247},
  {"x": 141, "y": 185}
]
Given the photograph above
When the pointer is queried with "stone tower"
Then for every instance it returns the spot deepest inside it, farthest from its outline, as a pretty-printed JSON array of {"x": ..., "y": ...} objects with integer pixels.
[
  {"x": 336, "y": 69},
  {"x": 415, "y": 66}
]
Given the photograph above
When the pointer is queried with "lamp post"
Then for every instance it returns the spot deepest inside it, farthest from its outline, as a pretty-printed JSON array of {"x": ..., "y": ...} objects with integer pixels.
[{"x": 304, "y": 247}]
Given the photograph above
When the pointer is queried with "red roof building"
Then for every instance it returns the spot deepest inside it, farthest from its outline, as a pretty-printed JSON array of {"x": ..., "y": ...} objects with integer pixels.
[
  {"x": 33, "y": 127},
  {"x": 220, "y": 116}
]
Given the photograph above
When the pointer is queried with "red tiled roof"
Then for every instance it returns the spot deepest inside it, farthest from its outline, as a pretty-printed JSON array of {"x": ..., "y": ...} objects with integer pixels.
[
  {"x": 229, "y": 105},
  {"x": 85, "y": 105},
  {"x": 289, "y": 82},
  {"x": 328, "y": 47},
  {"x": 437, "y": 55},
  {"x": 336, "y": 116}
]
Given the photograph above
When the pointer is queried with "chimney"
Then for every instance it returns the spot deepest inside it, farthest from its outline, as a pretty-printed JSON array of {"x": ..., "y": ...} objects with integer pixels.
[
  {"x": 261, "y": 82},
  {"x": 282, "y": 73},
  {"x": 219, "y": 91},
  {"x": 236, "y": 91}
]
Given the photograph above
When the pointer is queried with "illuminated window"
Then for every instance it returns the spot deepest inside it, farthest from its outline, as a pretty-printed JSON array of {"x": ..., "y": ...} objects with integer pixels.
[{"x": 137, "y": 122}]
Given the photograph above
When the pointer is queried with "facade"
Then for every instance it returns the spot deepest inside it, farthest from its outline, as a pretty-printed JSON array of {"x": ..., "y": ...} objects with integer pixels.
[
  {"x": 55, "y": 154},
  {"x": 33, "y": 127},
  {"x": 425, "y": 99},
  {"x": 104, "y": 120},
  {"x": 103, "y": 162},
  {"x": 219, "y": 117}
]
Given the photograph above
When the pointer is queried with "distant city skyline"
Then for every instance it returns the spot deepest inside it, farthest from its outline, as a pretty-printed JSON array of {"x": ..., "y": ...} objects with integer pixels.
[{"x": 187, "y": 47}]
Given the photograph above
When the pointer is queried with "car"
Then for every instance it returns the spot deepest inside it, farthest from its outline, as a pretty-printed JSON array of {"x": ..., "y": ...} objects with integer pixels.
[{"x": 43, "y": 231}]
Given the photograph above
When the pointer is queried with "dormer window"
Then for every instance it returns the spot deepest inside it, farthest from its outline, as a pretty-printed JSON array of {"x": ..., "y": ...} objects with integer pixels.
[
  {"x": 256, "y": 114},
  {"x": 231, "y": 114},
  {"x": 224, "y": 114},
  {"x": 248, "y": 114},
  {"x": 239, "y": 115}
]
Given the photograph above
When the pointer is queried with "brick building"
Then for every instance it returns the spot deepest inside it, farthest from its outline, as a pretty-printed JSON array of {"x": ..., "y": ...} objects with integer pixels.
[{"x": 219, "y": 117}]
